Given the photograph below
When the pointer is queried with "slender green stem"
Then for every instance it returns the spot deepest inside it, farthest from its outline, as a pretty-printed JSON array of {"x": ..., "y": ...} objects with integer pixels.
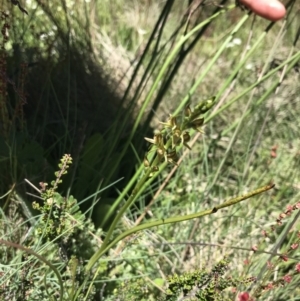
[{"x": 177, "y": 219}]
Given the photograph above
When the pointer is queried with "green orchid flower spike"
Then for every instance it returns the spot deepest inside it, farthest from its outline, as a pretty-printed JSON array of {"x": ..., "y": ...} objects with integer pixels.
[{"x": 175, "y": 134}]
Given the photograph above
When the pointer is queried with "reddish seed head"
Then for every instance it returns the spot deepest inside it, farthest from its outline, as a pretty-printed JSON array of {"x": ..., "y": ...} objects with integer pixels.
[
  {"x": 289, "y": 209},
  {"x": 282, "y": 215},
  {"x": 246, "y": 261},
  {"x": 287, "y": 278},
  {"x": 254, "y": 248},
  {"x": 273, "y": 154},
  {"x": 294, "y": 246},
  {"x": 284, "y": 258},
  {"x": 244, "y": 296},
  {"x": 269, "y": 286}
]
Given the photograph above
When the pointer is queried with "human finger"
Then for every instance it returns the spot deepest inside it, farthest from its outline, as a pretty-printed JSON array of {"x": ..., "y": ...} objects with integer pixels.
[{"x": 272, "y": 10}]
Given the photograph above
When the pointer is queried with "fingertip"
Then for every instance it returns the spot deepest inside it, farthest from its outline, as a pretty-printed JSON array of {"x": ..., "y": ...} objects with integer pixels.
[
  {"x": 272, "y": 10},
  {"x": 277, "y": 11}
]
